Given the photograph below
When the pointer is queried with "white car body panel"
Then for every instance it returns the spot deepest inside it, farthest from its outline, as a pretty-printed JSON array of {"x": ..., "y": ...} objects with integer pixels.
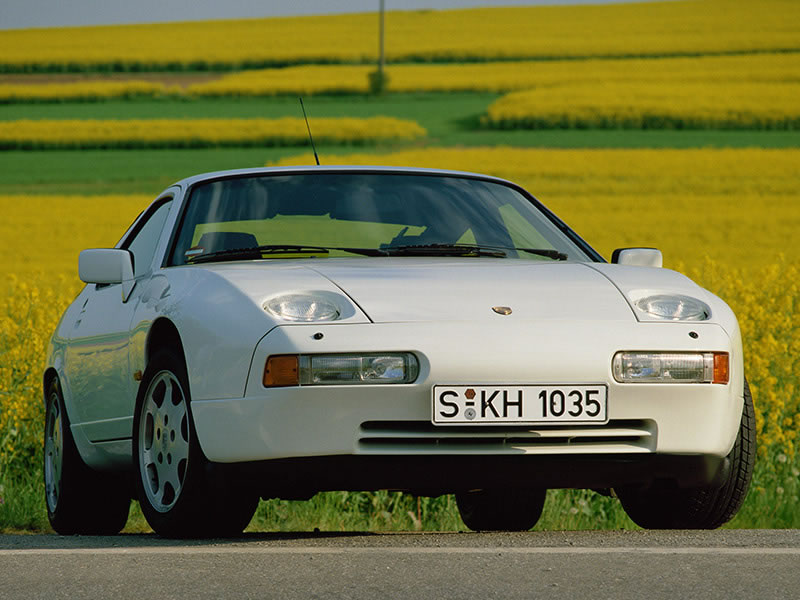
[
  {"x": 568, "y": 320},
  {"x": 97, "y": 358},
  {"x": 441, "y": 290}
]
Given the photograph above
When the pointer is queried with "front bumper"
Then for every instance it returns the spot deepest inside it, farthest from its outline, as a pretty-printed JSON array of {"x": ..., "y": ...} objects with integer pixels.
[{"x": 693, "y": 420}]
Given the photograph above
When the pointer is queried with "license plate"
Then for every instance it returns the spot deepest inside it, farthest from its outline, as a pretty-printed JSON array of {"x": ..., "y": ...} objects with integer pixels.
[{"x": 519, "y": 404}]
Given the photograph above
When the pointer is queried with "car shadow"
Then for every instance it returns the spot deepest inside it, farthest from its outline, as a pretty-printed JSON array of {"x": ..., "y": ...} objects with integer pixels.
[{"x": 51, "y": 541}]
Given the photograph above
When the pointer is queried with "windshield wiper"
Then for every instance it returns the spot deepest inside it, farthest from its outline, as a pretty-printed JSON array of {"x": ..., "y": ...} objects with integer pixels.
[
  {"x": 468, "y": 250},
  {"x": 546, "y": 252},
  {"x": 444, "y": 250},
  {"x": 267, "y": 250}
]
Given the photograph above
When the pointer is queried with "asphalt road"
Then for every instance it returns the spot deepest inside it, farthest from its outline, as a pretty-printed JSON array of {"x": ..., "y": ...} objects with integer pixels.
[{"x": 726, "y": 564}]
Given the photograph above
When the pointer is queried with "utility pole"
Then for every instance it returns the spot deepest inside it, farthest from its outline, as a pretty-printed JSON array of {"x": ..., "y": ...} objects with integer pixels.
[
  {"x": 381, "y": 56},
  {"x": 378, "y": 79}
]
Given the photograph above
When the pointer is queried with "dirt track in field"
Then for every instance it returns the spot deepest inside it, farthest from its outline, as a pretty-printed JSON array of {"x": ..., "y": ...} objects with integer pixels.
[{"x": 170, "y": 79}]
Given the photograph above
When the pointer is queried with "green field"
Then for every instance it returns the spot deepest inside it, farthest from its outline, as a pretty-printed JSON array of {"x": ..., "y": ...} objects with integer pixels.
[{"x": 449, "y": 118}]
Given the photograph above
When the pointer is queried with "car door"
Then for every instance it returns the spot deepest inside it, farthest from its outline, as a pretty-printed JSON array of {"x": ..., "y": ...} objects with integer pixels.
[{"x": 97, "y": 357}]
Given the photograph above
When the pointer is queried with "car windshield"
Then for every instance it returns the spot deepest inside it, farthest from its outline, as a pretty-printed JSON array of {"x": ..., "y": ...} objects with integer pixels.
[{"x": 368, "y": 213}]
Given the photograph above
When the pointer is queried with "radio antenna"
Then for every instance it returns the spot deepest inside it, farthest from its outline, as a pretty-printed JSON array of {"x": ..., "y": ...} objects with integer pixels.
[{"x": 309, "y": 131}]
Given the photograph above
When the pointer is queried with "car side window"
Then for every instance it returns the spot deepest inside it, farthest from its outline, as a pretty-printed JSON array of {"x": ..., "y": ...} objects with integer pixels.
[{"x": 143, "y": 242}]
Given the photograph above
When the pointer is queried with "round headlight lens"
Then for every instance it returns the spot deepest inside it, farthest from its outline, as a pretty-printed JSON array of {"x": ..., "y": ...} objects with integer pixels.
[
  {"x": 674, "y": 307},
  {"x": 302, "y": 307}
]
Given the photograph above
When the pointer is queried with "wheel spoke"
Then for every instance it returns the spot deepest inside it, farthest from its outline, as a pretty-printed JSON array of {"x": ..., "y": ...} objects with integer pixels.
[
  {"x": 56, "y": 466},
  {"x": 175, "y": 412},
  {"x": 179, "y": 450},
  {"x": 171, "y": 394},
  {"x": 168, "y": 475},
  {"x": 149, "y": 469}
]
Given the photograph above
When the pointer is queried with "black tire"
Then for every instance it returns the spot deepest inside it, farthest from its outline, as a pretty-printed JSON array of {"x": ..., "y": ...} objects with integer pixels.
[
  {"x": 176, "y": 494},
  {"x": 501, "y": 510},
  {"x": 700, "y": 508},
  {"x": 79, "y": 500}
]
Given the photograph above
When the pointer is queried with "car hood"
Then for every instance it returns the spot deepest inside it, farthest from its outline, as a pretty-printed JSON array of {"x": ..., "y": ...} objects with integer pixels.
[{"x": 393, "y": 290}]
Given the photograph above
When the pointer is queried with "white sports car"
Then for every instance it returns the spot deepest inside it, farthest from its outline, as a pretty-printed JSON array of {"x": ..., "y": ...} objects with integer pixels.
[{"x": 279, "y": 332}]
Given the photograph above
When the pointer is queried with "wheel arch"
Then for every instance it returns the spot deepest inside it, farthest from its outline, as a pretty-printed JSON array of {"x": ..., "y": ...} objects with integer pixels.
[
  {"x": 50, "y": 374},
  {"x": 85, "y": 448},
  {"x": 163, "y": 334}
]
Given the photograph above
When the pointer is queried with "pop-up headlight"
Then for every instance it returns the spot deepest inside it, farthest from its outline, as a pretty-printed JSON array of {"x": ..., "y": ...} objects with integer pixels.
[
  {"x": 674, "y": 307},
  {"x": 304, "y": 308}
]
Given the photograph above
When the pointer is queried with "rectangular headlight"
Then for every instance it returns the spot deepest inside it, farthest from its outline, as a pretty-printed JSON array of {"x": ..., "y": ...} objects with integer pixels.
[
  {"x": 671, "y": 367},
  {"x": 340, "y": 369},
  {"x": 333, "y": 369}
]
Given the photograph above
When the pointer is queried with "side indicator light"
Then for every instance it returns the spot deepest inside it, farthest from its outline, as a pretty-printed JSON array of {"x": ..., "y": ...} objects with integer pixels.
[
  {"x": 281, "y": 370},
  {"x": 721, "y": 367}
]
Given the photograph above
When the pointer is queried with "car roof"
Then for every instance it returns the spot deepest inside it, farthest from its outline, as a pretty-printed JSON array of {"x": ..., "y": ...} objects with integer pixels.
[{"x": 309, "y": 169}]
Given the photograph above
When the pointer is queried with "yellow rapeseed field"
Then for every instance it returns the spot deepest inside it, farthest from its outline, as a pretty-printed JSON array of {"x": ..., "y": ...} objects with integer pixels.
[
  {"x": 653, "y": 105},
  {"x": 40, "y": 237},
  {"x": 81, "y": 91},
  {"x": 714, "y": 71},
  {"x": 727, "y": 217},
  {"x": 682, "y": 27},
  {"x": 194, "y": 133}
]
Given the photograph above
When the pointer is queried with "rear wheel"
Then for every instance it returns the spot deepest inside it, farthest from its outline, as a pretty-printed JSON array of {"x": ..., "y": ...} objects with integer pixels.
[
  {"x": 700, "y": 508},
  {"x": 177, "y": 497},
  {"x": 501, "y": 510},
  {"x": 79, "y": 500}
]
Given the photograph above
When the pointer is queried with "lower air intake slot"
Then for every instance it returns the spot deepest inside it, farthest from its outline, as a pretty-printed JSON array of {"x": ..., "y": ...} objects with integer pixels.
[{"x": 423, "y": 436}]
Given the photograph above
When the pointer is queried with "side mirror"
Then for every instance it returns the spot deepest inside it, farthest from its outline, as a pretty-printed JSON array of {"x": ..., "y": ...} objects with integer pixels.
[
  {"x": 637, "y": 257},
  {"x": 107, "y": 266}
]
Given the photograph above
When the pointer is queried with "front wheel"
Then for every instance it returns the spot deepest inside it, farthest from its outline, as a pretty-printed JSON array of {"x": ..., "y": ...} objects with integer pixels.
[
  {"x": 174, "y": 490},
  {"x": 700, "y": 508},
  {"x": 501, "y": 510},
  {"x": 80, "y": 501}
]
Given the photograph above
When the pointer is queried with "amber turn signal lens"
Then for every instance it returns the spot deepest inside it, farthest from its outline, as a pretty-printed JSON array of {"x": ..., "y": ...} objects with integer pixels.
[
  {"x": 281, "y": 370},
  {"x": 721, "y": 369}
]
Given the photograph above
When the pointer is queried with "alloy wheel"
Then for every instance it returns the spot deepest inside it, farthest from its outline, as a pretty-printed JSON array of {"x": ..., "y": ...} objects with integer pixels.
[
  {"x": 53, "y": 453},
  {"x": 163, "y": 441}
]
